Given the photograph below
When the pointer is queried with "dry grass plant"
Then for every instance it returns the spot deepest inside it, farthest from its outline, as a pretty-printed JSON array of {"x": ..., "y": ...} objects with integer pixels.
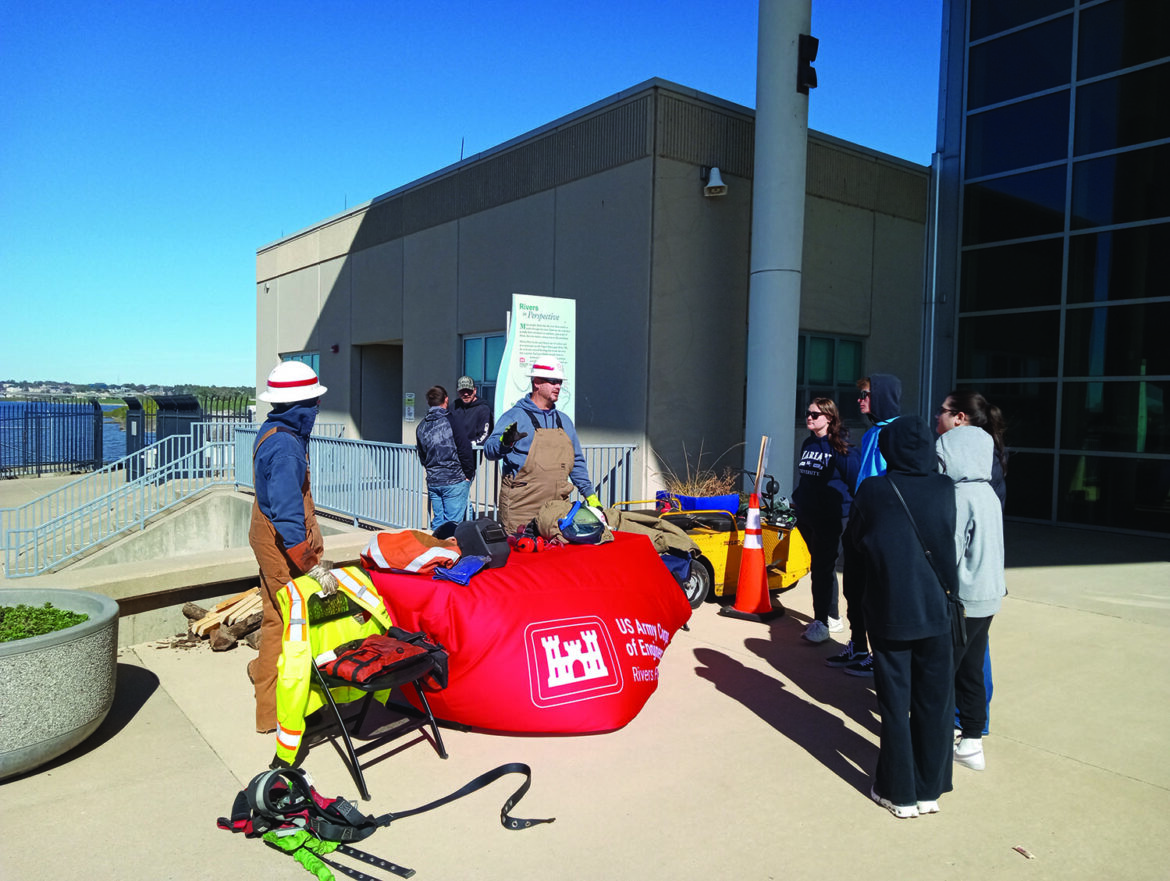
[{"x": 697, "y": 480}]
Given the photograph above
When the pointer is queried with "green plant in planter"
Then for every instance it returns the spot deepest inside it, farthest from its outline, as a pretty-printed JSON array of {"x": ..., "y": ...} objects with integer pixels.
[{"x": 21, "y": 621}]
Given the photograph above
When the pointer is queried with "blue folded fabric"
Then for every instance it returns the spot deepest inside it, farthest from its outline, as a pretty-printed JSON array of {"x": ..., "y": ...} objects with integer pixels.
[{"x": 462, "y": 571}]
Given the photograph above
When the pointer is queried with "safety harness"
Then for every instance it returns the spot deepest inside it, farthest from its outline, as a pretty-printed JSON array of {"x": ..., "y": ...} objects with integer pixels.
[{"x": 282, "y": 807}]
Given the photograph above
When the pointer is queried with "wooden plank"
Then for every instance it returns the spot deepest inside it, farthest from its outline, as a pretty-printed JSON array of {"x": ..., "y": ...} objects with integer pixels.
[{"x": 233, "y": 600}]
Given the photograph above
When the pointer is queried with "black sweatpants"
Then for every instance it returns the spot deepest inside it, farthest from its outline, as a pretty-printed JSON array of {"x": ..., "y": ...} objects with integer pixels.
[
  {"x": 914, "y": 681},
  {"x": 970, "y": 686}
]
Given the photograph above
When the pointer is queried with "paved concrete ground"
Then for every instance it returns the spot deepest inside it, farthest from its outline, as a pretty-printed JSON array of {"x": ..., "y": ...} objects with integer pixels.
[{"x": 752, "y": 761}]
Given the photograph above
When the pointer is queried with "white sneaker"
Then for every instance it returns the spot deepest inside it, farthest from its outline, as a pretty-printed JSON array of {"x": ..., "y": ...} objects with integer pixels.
[
  {"x": 928, "y": 807},
  {"x": 815, "y": 632},
  {"x": 836, "y": 625},
  {"x": 902, "y": 812},
  {"x": 969, "y": 752}
]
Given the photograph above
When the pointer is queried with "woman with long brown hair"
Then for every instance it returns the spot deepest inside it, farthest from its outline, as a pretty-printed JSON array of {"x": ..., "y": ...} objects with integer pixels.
[{"x": 828, "y": 470}]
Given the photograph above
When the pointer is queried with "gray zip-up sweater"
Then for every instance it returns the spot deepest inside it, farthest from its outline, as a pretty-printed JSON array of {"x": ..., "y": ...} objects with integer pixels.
[{"x": 965, "y": 454}]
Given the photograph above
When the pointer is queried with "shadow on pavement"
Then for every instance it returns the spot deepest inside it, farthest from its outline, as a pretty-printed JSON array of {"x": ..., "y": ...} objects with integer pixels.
[{"x": 822, "y": 735}]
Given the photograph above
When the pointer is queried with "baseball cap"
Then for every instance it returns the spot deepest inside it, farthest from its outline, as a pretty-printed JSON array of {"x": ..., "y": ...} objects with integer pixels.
[{"x": 465, "y": 382}]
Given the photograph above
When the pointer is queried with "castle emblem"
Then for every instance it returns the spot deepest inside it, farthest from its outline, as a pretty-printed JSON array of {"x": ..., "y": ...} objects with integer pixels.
[{"x": 570, "y": 660}]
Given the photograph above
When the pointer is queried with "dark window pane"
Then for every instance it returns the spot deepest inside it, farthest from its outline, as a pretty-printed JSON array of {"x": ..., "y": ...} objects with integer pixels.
[
  {"x": 1117, "y": 341},
  {"x": 848, "y": 362},
  {"x": 1012, "y": 276},
  {"x": 1028, "y": 408},
  {"x": 1120, "y": 265},
  {"x": 1123, "y": 111},
  {"x": 1029, "y": 486},
  {"x": 1123, "y": 493},
  {"x": 1020, "y": 63},
  {"x": 473, "y": 358},
  {"x": 1121, "y": 188},
  {"x": 1014, "y": 207},
  {"x": 800, "y": 346},
  {"x": 1117, "y": 417},
  {"x": 1004, "y": 346},
  {"x": 992, "y": 16},
  {"x": 994, "y": 142},
  {"x": 1121, "y": 34},
  {"x": 819, "y": 365}
]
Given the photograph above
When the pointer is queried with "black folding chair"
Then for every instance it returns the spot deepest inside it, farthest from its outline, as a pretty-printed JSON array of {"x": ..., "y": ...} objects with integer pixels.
[{"x": 409, "y": 718}]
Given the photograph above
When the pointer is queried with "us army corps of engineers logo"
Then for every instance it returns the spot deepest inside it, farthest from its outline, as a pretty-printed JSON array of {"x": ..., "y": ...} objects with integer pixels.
[{"x": 570, "y": 660}]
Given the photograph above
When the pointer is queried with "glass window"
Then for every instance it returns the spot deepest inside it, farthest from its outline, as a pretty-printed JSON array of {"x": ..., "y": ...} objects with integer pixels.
[
  {"x": 1121, "y": 188},
  {"x": 1119, "y": 492},
  {"x": 1019, "y": 345},
  {"x": 481, "y": 361},
  {"x": 1012, "y": 276},
  {"x": 1029, "y": 486},
  {"x": 1116, "y": 417},
  {"x": 828, "y": 367},
  {"x": 1117, "y": 341},
  {"x": 1124, "y": 110},
  {"x": 1122, "y": 264},
  {"x": 1121, "y": 34},
  {"x": 992, "y": 16},
  {"x": 313, "y": 359},
  {"x": 994, "y": 142},
  {"x": 1029, "y": 410},
  {"x": 1020, "y": 63},
  {"x": 1014, "y": 207},
  {"x": 819, "y": 361}
]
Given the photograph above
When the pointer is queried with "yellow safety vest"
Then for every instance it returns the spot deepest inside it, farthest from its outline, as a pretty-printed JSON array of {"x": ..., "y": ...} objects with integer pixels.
[{"x": 297, "y": 692}]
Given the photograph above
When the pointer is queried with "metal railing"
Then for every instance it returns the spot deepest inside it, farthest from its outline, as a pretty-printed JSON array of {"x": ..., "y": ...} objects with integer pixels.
[
  {"x": 384, "y": 484},
  {"x": 66, "y": 523},
  {"x": 366, "y": 482},
  {"x": 41, "y": 434}
]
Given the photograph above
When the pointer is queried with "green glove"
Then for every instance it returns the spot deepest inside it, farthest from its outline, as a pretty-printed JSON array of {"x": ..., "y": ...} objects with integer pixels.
[{"x": 592, "y": 500}]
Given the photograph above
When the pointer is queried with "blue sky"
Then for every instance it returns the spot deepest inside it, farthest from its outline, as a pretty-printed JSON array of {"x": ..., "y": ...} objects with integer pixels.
[{"x": 147, "y": 150}]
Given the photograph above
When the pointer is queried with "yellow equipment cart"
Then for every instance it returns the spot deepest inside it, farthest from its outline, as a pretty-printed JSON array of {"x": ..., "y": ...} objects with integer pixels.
[{"x": 715, "y": 573}]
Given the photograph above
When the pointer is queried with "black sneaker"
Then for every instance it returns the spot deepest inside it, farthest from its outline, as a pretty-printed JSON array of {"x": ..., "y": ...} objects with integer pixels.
[
  {"x": 864, "y": 667},
  {"x": 845, "y": 656}
]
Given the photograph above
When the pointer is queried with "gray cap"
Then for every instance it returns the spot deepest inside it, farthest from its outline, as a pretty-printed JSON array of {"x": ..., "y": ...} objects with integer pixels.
[{"x": 465, "y": 382}]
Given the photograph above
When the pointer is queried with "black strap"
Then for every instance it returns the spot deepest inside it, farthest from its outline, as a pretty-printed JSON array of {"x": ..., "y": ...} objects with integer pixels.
[
  {"x": 536, "y": 425},
  {"x": 400, "y": 871},
  {"x": 925, "y": 549},
  {"x": 478, "y": 783}
]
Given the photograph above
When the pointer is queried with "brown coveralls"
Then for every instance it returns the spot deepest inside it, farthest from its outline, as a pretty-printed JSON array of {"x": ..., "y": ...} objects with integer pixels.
[
  {"x": 276, "y": 570},
  {"x": 544, "y": 476}
]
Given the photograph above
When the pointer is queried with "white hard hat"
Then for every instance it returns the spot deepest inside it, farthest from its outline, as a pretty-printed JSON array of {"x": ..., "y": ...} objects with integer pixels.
[
  {"x": 292, "y": 381},
  {"x": 547, "y": 367}
]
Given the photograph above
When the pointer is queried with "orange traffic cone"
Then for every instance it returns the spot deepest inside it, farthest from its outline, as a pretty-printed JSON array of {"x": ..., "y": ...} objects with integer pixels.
[{"x": 752, "y": 601}]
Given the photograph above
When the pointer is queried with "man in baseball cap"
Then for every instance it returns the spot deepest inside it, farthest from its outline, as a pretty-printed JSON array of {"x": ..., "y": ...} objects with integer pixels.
[
  {"x": 284, "y": 535},
  {"x": 540, "y": 454},
  {"x": 470, "y": 416}
]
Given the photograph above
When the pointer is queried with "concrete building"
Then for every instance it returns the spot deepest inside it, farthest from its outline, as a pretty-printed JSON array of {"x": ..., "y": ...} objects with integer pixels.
[
  {"x": 606, "y": 207},
  {"x": 1051, "y": 292}
]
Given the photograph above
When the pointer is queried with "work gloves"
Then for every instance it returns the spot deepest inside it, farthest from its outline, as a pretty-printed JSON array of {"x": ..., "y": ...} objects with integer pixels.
[
  {"x": 321, "y": 574},
  {"x": 511, "y": 435},
  {"x": 592, "y": 500}
]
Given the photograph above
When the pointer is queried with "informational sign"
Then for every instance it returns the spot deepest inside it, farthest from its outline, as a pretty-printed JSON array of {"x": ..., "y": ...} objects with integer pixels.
[
  {"x": 537, "y": 326},
  {"x": 408, "y": 406}
]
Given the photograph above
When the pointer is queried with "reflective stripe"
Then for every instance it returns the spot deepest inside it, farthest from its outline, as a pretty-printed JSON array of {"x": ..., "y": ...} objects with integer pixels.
[
  {"x": 430, "y": 555},
  {"x": 753, "y": 540},
  {"x": 374, "y": 552},
  {"x": 288, "y": 738}
]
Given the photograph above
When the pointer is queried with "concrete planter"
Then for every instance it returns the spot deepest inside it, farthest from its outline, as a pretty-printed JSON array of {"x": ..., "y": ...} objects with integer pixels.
[{"x": 55, "y": 689}]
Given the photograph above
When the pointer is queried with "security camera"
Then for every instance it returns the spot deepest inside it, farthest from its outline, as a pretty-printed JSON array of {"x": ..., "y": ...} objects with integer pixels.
[{"x": 714, "y": 183}]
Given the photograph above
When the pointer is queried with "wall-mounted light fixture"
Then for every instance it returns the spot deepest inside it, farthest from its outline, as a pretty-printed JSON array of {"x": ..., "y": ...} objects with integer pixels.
[
  {"x": 713, "y": 184},
  {"x": 335, "y": 348}
]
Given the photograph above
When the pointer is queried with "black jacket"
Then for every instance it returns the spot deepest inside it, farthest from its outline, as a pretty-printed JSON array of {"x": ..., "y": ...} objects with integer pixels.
[{"x": 903, "y": 597}]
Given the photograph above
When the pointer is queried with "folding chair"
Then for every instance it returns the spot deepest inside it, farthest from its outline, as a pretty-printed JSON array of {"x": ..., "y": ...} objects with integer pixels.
[{"x": 410, "y": 719}]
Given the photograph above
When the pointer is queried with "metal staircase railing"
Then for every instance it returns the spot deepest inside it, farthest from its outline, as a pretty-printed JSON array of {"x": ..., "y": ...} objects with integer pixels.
[{"x": 380, "y": 484}]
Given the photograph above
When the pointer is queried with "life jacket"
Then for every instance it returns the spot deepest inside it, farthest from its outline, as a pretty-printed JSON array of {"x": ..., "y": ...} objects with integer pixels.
[{"x": 303, "y": 639}]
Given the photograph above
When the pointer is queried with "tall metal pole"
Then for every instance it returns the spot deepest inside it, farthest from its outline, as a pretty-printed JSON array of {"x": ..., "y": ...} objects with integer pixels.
[{"x": 778, "y": 188}]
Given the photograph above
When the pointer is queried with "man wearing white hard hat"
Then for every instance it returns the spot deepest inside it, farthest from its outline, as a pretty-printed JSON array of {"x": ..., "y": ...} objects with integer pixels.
[
  {"x": 538, "y": 449},
  {"x": 284, "y": 534}
]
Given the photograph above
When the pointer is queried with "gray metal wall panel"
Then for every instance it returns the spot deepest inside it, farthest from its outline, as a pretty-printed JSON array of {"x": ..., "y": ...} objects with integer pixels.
[{"x": 704, "y": 135}]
